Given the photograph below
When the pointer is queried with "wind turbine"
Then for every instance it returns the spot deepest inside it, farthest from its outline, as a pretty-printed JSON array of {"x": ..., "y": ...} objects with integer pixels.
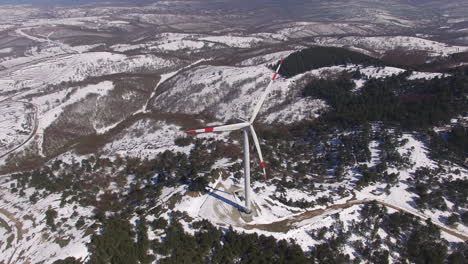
[{"x": 246, "y": 127}]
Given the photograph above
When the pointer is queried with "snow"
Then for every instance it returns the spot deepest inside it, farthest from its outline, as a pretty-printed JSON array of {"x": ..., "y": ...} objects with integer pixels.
[
  {"x": 302, "y": 109},
  {"x": 217, "y": 207},
  {"x": 359, "y": 84},
  {"x": 306, "y": 29},
  {"x": 234, "y": 41},
  {"x": 229, "y": 92},
  {"x": 215, "y": 82},
  {"x": 85, "y": 48},
  {"x": 385, "y": 17},
  {"x": 180, "y": 41},
  {"x": 20, "y": 32},
  {"x": 49, "y": 112},
  {"x": 226, "y": 91},
  {"x": 222, "y": 163},
  {"x": 33, "y": 240},
  {"x": 165, "y": 77},
  {"x": 79, "y": 66},
  {"x": 426, "y": 75},
  {"x": 6, "y": 50},
  {"x": 375, "y": 153},
  {"x": 180, "y": 45},
  {"x": 205, "y": 87},
  {"x": 451, "y": 238},
  {"x": 381, "y": 72},
  {"x": 166, "y": 45},
  {"x": 158, "y": 137},
  {"x": 168, "y": 42},
  {"x": 53, "y": 47},
  {"x": 127, "y": 47},
  {"x": 419, "y": 155},
  {"x": 5, "y": 27},
  {"x": 383, "y": 44},
  {"x": 220, "y": 205},
  {"x": 75, "y": 67},
  {"x": 401, "y": 196},
  {"x": 456, "y": 20},
  {"x": 118, "y": 22},
  {"x": 266, "y": 59},
  {"x": 16, "y": 124}
]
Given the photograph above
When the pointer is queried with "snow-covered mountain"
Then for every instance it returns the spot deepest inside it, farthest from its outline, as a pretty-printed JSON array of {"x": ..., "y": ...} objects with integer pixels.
[{"x": 364, "y": 137}]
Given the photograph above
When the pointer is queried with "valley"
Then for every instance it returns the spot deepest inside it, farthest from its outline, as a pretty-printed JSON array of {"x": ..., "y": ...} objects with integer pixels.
[{"x": 363, "y": 133}]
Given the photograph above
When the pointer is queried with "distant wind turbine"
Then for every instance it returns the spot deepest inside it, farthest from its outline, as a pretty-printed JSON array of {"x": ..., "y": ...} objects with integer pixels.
[{"x": 246, "y": 127}]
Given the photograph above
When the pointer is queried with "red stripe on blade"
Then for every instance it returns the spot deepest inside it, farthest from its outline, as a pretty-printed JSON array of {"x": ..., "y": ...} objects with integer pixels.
[
  {"x": 210, "y": 129},
  {"x": 191, "y": 131},
  {"x": 263, "y": 164},
  {"x": 281, "y": 62},
  {"x": 274, "y": 76}
]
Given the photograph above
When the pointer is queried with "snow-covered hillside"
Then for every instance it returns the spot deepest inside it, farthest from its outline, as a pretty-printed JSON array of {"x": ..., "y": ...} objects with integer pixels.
[
  {"x": 159, "y": 136},
  {"x": 383, "y": 44},
  {"x": 271, "y": 217},
  {"x": 95, "y": 101},
  {"x": 231, "y": 92},
  {"x": 79, "y": 67}
]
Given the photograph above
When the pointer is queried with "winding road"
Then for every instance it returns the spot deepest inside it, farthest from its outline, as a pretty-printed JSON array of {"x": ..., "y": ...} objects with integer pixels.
[
  {"x": 33, "y": 131},
  {"x": 288, "y": 223},
  {"x": 226, "y": 213},
  {"x": 8, "y": 71}
]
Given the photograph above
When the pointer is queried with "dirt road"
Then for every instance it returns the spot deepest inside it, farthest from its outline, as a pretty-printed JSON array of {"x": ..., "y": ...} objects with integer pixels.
[{"x": 288, "y": 223}]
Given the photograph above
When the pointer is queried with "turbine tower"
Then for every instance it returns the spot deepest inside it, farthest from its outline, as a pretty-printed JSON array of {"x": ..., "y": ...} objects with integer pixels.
[{"x": 247, "y": 127}]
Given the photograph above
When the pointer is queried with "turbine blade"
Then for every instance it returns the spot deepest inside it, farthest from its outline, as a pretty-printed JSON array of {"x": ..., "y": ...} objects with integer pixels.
[
  {"x": 259, "y": 151},
  {"x": 264, "y": 95},
  {"x": 220, "y": 128}
]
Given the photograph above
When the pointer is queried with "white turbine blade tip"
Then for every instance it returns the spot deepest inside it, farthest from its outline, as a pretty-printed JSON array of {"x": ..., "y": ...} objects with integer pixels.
[{"x": 265, "y": 93}]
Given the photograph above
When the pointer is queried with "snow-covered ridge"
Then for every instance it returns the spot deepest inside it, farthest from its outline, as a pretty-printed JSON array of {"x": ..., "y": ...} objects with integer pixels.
[
  {"x": 167, "y": 42},
  {"x": 306, "y": 29},
  {"x": 179, "y": 41},
  {"x": 230, "y": 92},
  {"x": 266, "y": 59},
  {"x": 227, "y": 92},
  {"x": 77, "y": 67},
  {"x": 372, "y": 72},
  {"x": 234, "y": 41},
  {"x": 383, "y": 44}
]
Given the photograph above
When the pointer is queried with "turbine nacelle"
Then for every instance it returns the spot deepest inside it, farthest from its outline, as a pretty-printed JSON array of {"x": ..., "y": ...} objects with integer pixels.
[{"x": 239, "y": 126}]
